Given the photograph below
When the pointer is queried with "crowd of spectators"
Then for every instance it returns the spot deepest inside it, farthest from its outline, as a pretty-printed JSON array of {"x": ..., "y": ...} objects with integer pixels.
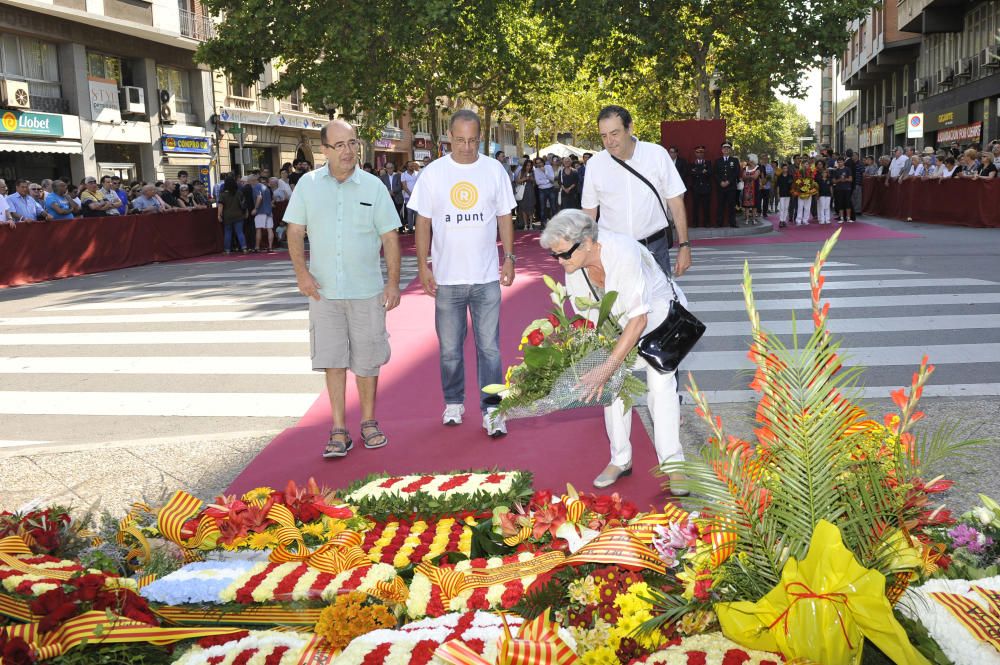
[
  {"x": 952, "y": 162},
  {"x": 49, "y": 200}
]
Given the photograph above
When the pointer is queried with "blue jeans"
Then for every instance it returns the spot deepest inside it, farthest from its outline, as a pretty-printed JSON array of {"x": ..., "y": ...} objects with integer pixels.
[
  {"x": 451, "y": 307},
  {"x": 411, "y": 219},
  {"x": 548, "y": 198},
  {"x": 227, "y": 234}
]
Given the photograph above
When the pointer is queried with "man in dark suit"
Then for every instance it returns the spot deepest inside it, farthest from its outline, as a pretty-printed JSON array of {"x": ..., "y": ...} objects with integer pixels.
[
  {"x": 700, "y": 182},
  {"x": 727, "y": 174},
  {"x": 679, "y": 162},
  {"x": 394, "y": 183}
]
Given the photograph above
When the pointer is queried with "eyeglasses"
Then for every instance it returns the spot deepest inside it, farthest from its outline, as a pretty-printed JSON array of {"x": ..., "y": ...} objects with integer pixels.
[
  {"x": 353, "y": 144},
  {"x": 567, "y": 255}
]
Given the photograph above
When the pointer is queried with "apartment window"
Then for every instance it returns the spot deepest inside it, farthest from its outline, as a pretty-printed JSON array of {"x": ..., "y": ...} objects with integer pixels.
[
  {"x": 31, "y": 60},
  {"x": 293, "y": 102},
  {"x": 443, "y": 122},
  {"x": 241, "y": 91},
  {"x": 420, "y": 126},
  {"x": 176, "y": 82},
  {"x": 102, "y": 66}
]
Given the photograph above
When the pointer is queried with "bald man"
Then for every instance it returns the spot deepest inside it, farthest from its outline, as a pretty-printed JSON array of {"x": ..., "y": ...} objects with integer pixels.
[{"x": 350, "y": 218}]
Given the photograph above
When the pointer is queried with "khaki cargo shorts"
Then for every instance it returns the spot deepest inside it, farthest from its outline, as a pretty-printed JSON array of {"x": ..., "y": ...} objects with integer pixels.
[{"x": 348, "y": 334}]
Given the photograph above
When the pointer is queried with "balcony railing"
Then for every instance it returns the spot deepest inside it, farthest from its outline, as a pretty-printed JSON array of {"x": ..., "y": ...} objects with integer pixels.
[{"x": 196, "y": 26}]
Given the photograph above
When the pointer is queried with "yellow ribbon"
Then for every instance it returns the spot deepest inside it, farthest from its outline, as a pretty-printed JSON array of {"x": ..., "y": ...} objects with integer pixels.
[
  {"x": 94, "y": 626},
  {"x": 537, "y": 643},
  {"x": 13, "y": 546},
  {"x": 170, "y": 522}
]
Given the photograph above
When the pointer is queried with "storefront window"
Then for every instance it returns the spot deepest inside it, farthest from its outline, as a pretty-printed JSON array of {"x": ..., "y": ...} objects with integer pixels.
[
  {"x": 31, "y": 60},
  {"x": 176, "y": 82}
]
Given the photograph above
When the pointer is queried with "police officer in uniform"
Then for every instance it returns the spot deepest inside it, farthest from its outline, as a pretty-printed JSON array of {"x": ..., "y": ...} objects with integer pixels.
[
  {"x": 727, "y": 174},
  {"x": 700, "y": 174}
]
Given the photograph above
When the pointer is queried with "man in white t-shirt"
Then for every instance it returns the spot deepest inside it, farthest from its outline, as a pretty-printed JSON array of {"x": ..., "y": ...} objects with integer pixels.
[
  {"x": 463, "y": 198},
  {"x": 409, "y": 181},
  {"x": 900, "y": 163},
  {"x": 627, "y": 204}
]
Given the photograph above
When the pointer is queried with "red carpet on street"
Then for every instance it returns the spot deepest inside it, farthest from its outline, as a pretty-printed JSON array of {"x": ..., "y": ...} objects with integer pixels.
[
  {"x": 811, "y": 233},
  {"x": 567, "y": 447}
]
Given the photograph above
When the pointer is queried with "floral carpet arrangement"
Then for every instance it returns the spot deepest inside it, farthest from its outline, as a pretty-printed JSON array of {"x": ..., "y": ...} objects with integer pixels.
[{"x": 817, "y": 541}]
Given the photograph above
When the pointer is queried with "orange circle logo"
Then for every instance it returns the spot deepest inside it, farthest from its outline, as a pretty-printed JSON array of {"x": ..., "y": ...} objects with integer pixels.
[
  {"x": 464, "y": 195},
  {"x": 9, "y": 121}
]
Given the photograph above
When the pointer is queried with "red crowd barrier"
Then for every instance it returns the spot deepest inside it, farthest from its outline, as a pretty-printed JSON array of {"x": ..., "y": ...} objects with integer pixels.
[
  {"x": 954, "y": 201},
  {"x": 64, "y": 248}
]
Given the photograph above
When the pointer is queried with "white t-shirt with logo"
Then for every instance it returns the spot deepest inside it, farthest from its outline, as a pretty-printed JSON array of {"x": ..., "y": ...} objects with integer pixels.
[
  {"x": 410, "y": 180},
  {"x": 463, "y": 202}
]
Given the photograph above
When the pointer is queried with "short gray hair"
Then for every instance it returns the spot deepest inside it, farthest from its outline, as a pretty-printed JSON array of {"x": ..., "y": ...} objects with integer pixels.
[
  {"x": 571, "y": 225},
  {"x": 465, "y": 115}
]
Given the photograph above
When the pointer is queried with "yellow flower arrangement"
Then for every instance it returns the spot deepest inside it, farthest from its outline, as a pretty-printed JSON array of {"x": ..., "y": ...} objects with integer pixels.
[
  {"x": 263, "y": 540},
  {"x": 350, "y": 616},
  {"x": 258, "y": 496}
]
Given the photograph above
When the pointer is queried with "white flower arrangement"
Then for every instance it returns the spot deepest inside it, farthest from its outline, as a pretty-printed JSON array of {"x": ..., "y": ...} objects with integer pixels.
[
  {"x": 264, "y": 643},
  {"x": 715, "y": 646},
  {"x": 198, "y": 582},
  {"x": 476, "y": 483},
  {"x": 955, "y": 640}
]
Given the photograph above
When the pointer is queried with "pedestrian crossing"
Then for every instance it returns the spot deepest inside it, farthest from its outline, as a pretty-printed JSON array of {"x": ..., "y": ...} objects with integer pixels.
[
  {"x": 887, "y": 319},
  {"x": 227, "y": 342}
]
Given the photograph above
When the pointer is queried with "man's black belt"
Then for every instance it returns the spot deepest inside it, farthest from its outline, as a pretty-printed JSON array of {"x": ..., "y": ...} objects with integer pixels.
[{"x": 653, "y": 238}]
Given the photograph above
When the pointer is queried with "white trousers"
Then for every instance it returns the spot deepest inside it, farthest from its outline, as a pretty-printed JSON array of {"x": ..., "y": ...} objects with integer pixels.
[
  {"x": 823, "y": 209},
  {"x": 665, "y": 411},
  {"x": 783, "y": 208},
  {"x": 804, "y": 211}
]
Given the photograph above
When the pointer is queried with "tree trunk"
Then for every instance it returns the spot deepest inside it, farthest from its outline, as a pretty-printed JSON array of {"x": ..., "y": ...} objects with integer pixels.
[
  {"x": 487, "y": 125},
  {"x": 432, "y": 120},
  {"x": 703, "y": 83}
]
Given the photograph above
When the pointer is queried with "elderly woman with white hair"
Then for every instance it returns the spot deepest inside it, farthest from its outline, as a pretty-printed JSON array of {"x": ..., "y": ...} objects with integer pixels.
[{"x": 617, "y": 262}]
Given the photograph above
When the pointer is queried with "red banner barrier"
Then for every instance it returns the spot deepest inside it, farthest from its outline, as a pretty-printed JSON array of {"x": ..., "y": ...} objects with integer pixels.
[
  {"x": 954, "y": 201},
  {"x": 64, "y": 248}
]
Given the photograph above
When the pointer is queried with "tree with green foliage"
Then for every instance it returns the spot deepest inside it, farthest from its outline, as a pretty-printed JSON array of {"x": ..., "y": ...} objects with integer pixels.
[{"x": 753, "y": 48}]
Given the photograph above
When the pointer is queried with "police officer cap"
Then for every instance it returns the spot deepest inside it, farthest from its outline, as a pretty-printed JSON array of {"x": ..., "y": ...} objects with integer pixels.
[
  {"x": 699, "y": 147},
  {"x": 727, "y": 144}
]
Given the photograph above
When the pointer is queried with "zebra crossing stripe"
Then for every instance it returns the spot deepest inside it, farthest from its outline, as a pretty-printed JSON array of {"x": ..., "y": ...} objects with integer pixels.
[
  {"x": 870, "y": 285},
  {"x": 152, "y": 338},
  {"x": 847, "y": 302},
  {"x": 222, "y": 405},
  {"x": 869, "y": 392},
  {"x": 866, "y": 325},
  {"x": 146, "y": 365}
]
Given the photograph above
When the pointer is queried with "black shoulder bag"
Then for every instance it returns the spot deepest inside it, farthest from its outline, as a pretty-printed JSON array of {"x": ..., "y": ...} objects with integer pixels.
[
  {"x": 656, "y": 193},
  {"x": 664, "y": 347}
]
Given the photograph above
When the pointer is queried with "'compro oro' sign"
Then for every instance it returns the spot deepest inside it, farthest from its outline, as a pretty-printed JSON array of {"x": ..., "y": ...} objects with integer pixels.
[{"x": 37, "y": 124}]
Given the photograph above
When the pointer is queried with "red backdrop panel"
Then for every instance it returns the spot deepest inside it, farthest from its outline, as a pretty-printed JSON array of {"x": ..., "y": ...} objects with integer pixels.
[
  {"x": 64, "y": 248},
  {"x": 686, "y": 134},
  {"x": 956, "y": 201}
]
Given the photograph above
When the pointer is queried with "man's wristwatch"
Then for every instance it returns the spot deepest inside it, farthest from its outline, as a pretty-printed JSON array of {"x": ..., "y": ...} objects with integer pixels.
[
  {"x": 682, "y": 245},
  {"x": 512, "y": 257}
]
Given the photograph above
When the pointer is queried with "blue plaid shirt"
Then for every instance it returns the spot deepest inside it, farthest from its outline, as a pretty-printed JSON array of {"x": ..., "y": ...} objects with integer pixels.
[{"x": 25, "y": 206}]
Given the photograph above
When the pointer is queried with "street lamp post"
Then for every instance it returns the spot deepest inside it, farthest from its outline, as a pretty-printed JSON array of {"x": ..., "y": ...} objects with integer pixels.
[
  {"x": 716, "y": 90},
  {"x": 538, "y": 134}
]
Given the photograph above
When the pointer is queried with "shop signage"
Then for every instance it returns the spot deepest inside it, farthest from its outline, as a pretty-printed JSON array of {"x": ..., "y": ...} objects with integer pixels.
[
  {"x": 196, "y": 145},
  {"x": 205, "y": 175},
  {"x": 970, "y": 132},
  {"x": 915, "y": 126},
  {"x": 265, "y": 119},
  {"x": 104, "y": 100},
  {"x": 899, "y": 127},
  {"x": 421, "y": 155},
  {"x": 871, "y": 137},
  {"x": 958, "y": 115},
  {"x": 27, "y": 122},
  {"x": 385, "y": 144},
  {"x": 392, "y": 133},
  {"x": 420, "y": 143}
]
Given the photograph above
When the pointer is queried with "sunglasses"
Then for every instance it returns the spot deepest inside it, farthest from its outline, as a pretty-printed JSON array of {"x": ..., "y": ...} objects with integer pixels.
[{"x": 567, "y": 255}]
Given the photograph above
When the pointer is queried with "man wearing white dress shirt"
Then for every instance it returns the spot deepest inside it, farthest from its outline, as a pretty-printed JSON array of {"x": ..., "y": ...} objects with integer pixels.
[{"x": 626, "y": 204}]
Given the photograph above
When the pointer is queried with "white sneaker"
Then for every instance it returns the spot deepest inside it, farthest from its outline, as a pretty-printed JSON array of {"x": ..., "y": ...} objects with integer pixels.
[
  {"x": 453, "y": 414},
  {"x": 494, "y": 423}
]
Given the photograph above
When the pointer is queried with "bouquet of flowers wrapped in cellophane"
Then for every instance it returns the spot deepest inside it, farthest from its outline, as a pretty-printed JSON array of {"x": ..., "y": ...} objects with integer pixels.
[
  {"x": 559, "y": 350},
  {"x": 804, "y": 187}
]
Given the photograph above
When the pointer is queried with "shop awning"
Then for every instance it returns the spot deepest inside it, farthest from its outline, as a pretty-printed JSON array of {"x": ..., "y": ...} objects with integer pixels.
[
  {"x": 59, "y": 147},
  {"x": 188, "y": 160}
]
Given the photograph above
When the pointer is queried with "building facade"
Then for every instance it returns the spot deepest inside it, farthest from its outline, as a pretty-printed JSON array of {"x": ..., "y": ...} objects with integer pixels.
[
  {"x": 102, "y": 86},
  {"x": 935, "y": 57}
]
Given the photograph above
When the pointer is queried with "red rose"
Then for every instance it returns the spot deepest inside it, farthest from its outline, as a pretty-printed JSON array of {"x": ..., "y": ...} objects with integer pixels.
[
  {"x": 602, "y": 505},
  {"x": 554, "y": 320},
  {"x": 540, "y": 498},
  {"x": 307, "y": 512},
  {"x": 17, "y": 652},
  {"x": 582, "y": 323},
  {"x": 535, "y": 337}
]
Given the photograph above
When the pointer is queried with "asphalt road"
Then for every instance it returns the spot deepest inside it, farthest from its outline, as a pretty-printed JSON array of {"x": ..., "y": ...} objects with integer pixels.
[{"x": 207, "y": 354}]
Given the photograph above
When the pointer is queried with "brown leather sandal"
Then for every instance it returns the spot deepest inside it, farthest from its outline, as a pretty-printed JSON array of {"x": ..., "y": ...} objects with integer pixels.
[
  {"x": 375, "y": 434},
  {"x": 335, "y": 447}
]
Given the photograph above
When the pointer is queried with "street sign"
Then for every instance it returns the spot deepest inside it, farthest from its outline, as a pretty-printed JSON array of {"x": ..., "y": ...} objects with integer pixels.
[
  {"x": 236, "y": 130},
  {"x": 915, "y": 126}
]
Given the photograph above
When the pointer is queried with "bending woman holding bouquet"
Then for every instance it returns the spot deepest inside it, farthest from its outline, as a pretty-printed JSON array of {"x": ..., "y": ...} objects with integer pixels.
[{"x": 619, "y": 263}]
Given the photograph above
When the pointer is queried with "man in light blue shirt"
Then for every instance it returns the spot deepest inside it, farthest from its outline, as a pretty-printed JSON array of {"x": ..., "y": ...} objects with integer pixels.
[
  {"x": 147, "y": 202},
  {"x": 58, "y": 205},
  {"x": 349, "y": 217},
  {"x": 23, "y": 206}
]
